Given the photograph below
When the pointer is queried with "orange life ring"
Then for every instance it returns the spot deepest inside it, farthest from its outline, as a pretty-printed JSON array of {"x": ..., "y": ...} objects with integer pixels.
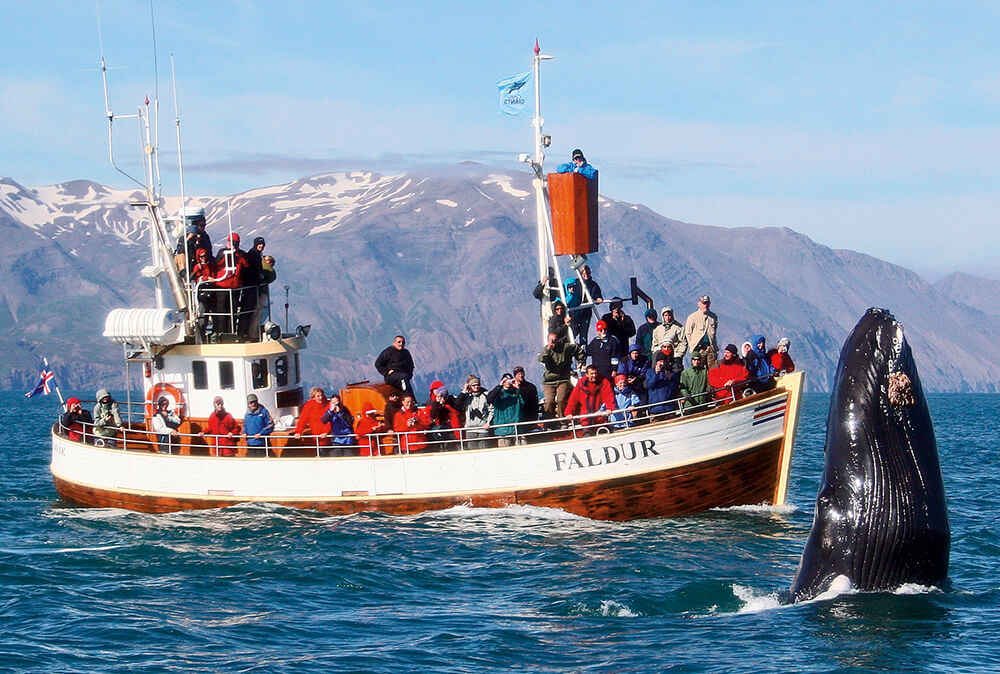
[{"x": 163, "y": 390}]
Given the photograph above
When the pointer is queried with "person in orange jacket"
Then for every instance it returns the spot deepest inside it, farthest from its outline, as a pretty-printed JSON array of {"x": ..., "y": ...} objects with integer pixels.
[
  {"x": 591, "y": 394},
  {"x": 409, "y": 425},
  {"x": 368, "y": 425},
  {"x": 223, "y": 429},
  {"x": 310, "y": 417}
]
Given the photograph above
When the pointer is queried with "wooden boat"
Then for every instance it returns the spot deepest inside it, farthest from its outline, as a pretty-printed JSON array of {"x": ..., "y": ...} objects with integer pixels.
[{"x": 715, "y": 455}]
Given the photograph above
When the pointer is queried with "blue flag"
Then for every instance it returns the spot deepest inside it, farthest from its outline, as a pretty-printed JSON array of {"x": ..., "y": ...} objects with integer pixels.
[
  {"x": 46, "y": 382},
  {"x": 512, "y": 94}
]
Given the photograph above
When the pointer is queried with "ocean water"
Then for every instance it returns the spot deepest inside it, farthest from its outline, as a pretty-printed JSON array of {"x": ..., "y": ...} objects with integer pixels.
[{"x": 269, "y": 589}]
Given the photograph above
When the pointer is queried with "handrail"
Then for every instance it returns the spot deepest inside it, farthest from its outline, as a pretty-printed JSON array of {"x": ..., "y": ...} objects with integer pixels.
[{"x": 458, "y": 439}]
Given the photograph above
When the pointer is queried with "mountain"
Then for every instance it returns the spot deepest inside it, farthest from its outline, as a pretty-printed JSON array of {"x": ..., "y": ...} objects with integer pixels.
[
  {"x": 447, "y": 258},
  {"x": 979, "y": 293}
]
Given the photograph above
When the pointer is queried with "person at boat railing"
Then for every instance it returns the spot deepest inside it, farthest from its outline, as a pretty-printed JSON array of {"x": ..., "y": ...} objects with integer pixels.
[
  {"x": 621, "y": 326},
  {"x": 231, "y": 265},
  {"x": 507, "y": 404},
  {"x": 661, "y": 385},
  {"x": 635, "y": 367},
  {"x": 165, "y": 425},
  {"x": 759, "y": 365},
  {"x": 75, "y": 420},
  {"x": 257, "y": 425},
  {"x": 222, "y": 428},
  {"x": 107, "y": 419},
  {"x": 395, "y": 364},
  {"x": 253, "y": 279},
  {"x": 529, "y": 398},
  {"x": 694, "y": 386},
  {"x": 781, "y": 361},
  {"x": 409, "y": 425},
  {"x": 558, "y": 357},
  {"x": 310, "y": 416},
  {"x": 444, "y": 418},
  {"x": 578, "y": 164},
  {"x": 475, "y": 405},
  {"x": 626, "y": 401},
  {"x": 368, "y": 428},
  {"x": 393, "y": 405},
  {"x": 729, "y": 377},
  {"x": 592, "y": 396},
  {"x": 341, "y": 423}
]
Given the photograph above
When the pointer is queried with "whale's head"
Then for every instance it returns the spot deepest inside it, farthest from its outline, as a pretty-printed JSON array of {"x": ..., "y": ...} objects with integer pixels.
[{"x": 881, "y": 518}]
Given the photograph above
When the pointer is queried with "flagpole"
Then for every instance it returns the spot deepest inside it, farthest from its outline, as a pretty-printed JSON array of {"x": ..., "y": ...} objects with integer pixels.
[{"x": 45, "y": 362}]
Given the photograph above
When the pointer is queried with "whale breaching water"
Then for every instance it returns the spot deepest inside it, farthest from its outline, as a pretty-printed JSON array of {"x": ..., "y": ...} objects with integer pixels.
[{"x": 881, "y": 519}]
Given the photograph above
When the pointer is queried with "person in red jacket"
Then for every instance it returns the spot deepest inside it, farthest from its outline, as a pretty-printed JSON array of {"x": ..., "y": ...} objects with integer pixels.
[
  {"x": 592, "y": 394},
  {"x": 409, "y": 425},
  {"x": 729, "y": 376},
  {"x": 222, "y": 428},
  {"x": 368, "y": 425},
  {"x": 780, "y": 360},
  {"x": 231, "y": 266},
  {"x": 310, "y": 417}
]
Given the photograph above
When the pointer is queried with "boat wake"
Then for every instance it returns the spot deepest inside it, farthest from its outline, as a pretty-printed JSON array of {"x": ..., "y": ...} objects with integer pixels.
[{"x": 761, "y": 508}]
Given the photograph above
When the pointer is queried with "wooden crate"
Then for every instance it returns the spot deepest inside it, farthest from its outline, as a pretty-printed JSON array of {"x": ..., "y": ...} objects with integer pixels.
[{"x": 574, "y": 213}]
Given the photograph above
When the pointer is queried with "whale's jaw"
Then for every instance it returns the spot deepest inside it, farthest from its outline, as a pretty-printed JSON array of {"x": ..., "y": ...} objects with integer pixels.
[{"x": 881, "y": 519}]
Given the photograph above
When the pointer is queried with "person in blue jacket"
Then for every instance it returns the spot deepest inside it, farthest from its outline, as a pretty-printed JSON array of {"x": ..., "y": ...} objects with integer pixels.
[
  {"x": 661, "y": 386},
  {"x": 257, "y": 425},
  {"x": 341, "y": 428},
  {"x": 759, "y": 365},
  {"x": 578, "y": 164}
]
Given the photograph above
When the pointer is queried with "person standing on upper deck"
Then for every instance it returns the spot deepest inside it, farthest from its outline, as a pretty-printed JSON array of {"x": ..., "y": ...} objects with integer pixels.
[
  {"x": 700, "y": 330},
  {"x": 584, "y": 316},
  {"x": 578, "y": 164},
  {"x": 395, "y": 364},
  {"x": 672, "y": 332}
]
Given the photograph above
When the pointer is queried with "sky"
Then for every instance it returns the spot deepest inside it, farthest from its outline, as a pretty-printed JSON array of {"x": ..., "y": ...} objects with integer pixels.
[{"x": 871, "y": 126}]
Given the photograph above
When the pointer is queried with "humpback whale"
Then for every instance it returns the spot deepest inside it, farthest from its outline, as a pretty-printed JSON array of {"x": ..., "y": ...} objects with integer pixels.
[{"x": 881, "y": 519}]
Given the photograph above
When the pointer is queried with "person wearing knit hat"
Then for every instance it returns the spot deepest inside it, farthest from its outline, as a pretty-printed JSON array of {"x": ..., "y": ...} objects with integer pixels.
[
  {"x": 367, "y": 430},
  {"x": 780, "y": 360},
  {"x": 529, "y": 398},
  {"x": 76, "y": 421},
  {"x": 626, "y": 400},
  {"x": 644, "y": 335},
  {"x": 729, "y": 377},
  {"x": 578, "y": 164},
  {"x": 670, "y": 330},
  {"x": 473, "y": 403}
]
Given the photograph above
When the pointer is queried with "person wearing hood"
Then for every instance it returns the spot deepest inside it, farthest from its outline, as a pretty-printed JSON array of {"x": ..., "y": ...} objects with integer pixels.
[
  {"x": 661, "y": 385},
  {"x": 620, "y": 325},
  {"x": 626, "y": 401},
  {"x": 604, "y": 350},
  {"x": 634, "y": 367},
  {"x": 107, "y": 418},
  {"x": 560, "y": 322},
  {"x": 578, "y": 164},
  {"x": 729, "y": 377},
  {"x": 694, "y": 387},
  {"x": 780, "y": 360},
  {"x": 165, "y": 425},
  {"x": 670, "y": 330},
  {"x": 222, "y": 428},
  {"x": 75, "y": 420},
  {"x": 257, "y": 425},
  {"x": 253, "y": 279},
  {"x": 644, "y": 335},
  {"x": 759, "y": 365}
]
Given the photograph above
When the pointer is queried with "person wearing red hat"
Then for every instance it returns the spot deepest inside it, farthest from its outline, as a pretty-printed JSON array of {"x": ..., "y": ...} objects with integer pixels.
[
  {"x": 368, "y": 428},
  {"x": 626, "y": 402},
  {"x": 603, "y": 350},
  {"x": 231, "y": 266},
  {"x": 76, "y": 420}
]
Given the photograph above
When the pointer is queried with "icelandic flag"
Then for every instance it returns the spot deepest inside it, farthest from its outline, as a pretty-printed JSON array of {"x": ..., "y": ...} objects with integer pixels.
[
  {"x": 46, "y": 382},
  {"x": 512, "y": 94}
]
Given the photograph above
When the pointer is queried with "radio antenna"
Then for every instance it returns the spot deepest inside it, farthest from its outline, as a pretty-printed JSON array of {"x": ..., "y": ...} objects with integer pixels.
[
  {"x": 156, "y": 99},
  {"x": 107, "y": 108}
]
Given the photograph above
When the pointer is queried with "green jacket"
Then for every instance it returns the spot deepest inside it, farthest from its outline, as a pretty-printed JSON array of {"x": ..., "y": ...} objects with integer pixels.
[
  {"x": 694, "y": 386},
  {"x": 507, "y": 403},
  {"x": 107, "y": 417},
  {"x": 558, "y": 362}
]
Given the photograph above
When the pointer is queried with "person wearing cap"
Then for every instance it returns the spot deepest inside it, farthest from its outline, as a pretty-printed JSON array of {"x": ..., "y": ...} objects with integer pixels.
[
  {"x": 107, "y": 419},
  {"x": 700, "y": 330},
  {"x": 475, "y": 405},
  {"x": 621, "y": 326},
  {"x": 367, "y": 428},
  {"x": 75, "y": 420},
  {"x": 557, "y": 357},
  {"x": 593, "y": 295},
  {"x": 729, "y": 377},
  {"x": 395, "y": 364},
  {"x": 626, "y": 401},
  {"x": 694, "y": 387},
  {"x": 222, "y": 429},
  {"x": 578, "y": 164},
  {"x": 507, "y": 404},
  {"x": 644, "y": 335},
  {"x": 661, "y": 384},
  {"x": 634, "y": 367},
  {"x": 529, "y": 398},
  {"x": 604, "y": 350},
  {"x": 257, "y": 425},
  {"x": 341, "y": 423},
  {"x": 230, "y": 267},
  {"x": 165, "y": 426},
  {"x": 780, "y": 360},
  {"x": 670, "y": 330},
  {"x": 592, "y": 397}
]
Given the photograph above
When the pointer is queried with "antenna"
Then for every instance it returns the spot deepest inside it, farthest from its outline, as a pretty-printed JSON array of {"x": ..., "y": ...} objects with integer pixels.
[
  {"x": 156, "y": 99},
  {"x": 177, "y": 126}
]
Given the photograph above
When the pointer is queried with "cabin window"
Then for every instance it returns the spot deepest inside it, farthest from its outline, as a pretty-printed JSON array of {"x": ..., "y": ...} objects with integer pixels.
[
  {"x": 199, "y": 369},
  {"x": 281, "y": 371},
  {"x": 227, "y": 381},
  {"x": 297, "y": 377},
  {"x": 258, "y": 372}
]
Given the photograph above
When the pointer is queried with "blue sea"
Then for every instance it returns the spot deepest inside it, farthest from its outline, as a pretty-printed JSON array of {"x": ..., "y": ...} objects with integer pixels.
[{"x": 270, "y": 589}]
